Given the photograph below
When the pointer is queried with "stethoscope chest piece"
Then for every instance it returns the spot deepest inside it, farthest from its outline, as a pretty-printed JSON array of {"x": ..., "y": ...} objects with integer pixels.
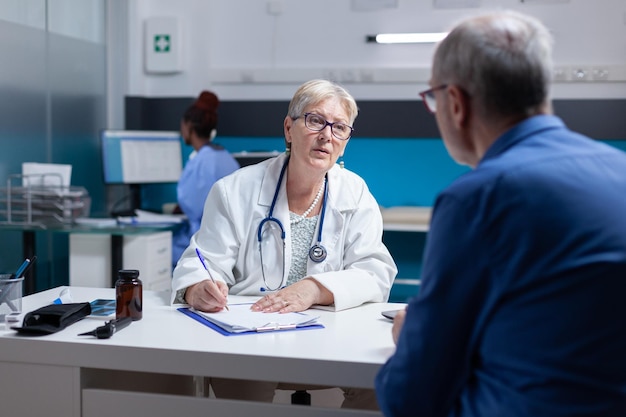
[{"x": 317, "y": 253}]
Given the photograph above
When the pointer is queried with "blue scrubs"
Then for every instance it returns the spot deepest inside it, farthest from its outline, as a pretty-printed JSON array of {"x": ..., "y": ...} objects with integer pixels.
[
  {"x": 522, "y": 309},
  {"x": 200, "y": 173}
]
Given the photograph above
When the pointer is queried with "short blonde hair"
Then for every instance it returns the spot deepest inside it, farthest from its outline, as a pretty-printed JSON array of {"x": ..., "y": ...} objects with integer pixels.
[{"x": 316, "y": 91}]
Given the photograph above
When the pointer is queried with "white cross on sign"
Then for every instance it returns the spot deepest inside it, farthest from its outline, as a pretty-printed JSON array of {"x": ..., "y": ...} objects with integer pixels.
[{"x": 161, "y": 43}]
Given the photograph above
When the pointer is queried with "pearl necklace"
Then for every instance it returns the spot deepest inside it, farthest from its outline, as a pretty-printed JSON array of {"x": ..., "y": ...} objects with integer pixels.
[{"x": 312, "y": 206}]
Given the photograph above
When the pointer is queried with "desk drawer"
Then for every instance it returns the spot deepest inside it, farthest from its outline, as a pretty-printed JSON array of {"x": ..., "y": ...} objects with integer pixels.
[
  {"x": 152, "y": 255},
  {"x": 156, "y": 247},
  {"x": 107, "y": 403}
]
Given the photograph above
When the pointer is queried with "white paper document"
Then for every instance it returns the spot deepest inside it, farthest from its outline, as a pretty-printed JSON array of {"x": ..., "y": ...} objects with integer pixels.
[
  {"x": 96, "y": 222},
  {"x": 45, "y": 175},
  {"x": 241, "y": 319},
  {"x": 147, "y": 217}
]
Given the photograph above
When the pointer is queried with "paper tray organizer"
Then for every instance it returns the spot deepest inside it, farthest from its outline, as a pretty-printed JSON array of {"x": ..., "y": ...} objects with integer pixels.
[{"x": 25, "y": 202}]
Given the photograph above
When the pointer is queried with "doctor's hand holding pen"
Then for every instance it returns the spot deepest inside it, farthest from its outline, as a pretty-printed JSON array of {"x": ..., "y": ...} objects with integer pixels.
[{"x": 208, "y": 295}]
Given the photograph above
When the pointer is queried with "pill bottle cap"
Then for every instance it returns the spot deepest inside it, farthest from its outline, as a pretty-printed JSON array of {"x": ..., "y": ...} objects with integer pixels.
[{"x": 127, "y": 274}]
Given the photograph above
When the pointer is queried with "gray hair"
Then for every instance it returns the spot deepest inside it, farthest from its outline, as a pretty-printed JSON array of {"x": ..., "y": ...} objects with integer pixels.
[
  {"x": 315, "y": 91},
  {"x": 501, "y": 60}
]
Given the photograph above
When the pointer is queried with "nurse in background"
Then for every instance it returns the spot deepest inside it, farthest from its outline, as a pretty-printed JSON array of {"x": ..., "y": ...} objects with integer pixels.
[{"x": 207, "y": 163}]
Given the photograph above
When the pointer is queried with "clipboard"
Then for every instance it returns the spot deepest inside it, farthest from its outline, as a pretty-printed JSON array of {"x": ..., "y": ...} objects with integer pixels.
[{"x": 267, "y": 329}]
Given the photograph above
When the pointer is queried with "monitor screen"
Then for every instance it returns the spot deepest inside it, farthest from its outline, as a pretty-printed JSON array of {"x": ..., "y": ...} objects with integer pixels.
[
  {"x": 141, "y": 157},
  {"x": 246, "y": 158}
]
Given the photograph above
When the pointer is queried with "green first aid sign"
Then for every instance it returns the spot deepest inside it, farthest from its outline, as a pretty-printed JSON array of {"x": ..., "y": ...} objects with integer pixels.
[{"x": 162, "y": 43}]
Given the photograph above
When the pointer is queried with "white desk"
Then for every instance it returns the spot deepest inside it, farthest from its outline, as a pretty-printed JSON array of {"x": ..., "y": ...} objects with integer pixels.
[{"x": 67, "y": 375}]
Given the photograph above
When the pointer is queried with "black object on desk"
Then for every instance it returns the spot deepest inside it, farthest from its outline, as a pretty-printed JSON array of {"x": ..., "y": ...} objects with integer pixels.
[
  {"x": 109, "y": 329},
  {"x": 52, "y": 318},
  {"x": 390, "y": 314},
  {"x": 123, "y": 213}
]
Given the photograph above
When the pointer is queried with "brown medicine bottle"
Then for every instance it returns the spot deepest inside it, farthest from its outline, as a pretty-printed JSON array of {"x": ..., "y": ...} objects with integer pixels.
[{"x": 128, "y": 294}]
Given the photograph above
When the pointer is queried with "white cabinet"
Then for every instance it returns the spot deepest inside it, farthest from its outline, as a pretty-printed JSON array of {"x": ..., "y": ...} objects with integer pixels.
[
  {"x": 152, "y": 256},
  {"x": 150, "y": 253}
]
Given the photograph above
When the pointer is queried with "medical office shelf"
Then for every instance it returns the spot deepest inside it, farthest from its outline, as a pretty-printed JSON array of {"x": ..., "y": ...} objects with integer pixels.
[{"x": 116, "y": 236}]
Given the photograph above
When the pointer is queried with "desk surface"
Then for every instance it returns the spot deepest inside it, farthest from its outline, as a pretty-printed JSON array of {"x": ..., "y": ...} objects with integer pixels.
[
  {"x": 120, "y": 229},
  {"x": 347, "y": 352}
]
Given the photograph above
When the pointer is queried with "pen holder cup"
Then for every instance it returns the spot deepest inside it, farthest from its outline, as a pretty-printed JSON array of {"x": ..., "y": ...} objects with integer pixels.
[{"x": 10, "y": 295}]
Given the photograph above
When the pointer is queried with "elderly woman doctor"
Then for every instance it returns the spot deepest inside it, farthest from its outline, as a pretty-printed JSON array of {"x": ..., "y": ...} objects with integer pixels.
[{"x": 296, "y": 229}]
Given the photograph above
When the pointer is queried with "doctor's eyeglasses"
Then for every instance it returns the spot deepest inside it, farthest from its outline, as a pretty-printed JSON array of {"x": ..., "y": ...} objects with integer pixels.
[{"x": 317, "y": 123}]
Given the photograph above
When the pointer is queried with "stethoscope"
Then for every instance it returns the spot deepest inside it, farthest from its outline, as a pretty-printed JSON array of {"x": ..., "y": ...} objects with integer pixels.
[{"x": 317, "y": 253}]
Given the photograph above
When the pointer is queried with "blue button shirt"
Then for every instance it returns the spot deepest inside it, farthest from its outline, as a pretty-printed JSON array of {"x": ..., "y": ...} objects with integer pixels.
[{"x": 522, "y": 309}]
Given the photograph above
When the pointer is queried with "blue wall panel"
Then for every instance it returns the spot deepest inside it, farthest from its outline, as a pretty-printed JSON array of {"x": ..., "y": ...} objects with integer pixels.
[{"x": 399, "y": 172}]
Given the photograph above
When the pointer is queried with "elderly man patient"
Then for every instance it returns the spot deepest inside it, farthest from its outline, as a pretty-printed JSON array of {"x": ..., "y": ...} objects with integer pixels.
[{"x": 521, "y": 312}]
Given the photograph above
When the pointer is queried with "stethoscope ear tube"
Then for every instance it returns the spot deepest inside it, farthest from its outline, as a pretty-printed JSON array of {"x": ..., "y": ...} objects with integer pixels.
[{"x": 270, "y": 219}]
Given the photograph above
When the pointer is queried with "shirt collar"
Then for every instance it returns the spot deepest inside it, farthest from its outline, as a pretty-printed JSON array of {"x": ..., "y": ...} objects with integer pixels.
[{"x": 524, "y": 129}]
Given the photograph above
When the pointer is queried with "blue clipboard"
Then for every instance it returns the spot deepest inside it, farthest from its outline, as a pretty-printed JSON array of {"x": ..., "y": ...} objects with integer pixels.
[{"x": 188, "y": 312}]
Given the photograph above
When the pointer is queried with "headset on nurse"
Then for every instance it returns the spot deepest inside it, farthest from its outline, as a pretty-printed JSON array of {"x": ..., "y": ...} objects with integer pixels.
[{"x": 297, "y": 229}]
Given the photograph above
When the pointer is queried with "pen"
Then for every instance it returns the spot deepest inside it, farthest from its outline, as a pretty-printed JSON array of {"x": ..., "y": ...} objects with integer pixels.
[
  {"x": 206, "y": 269},
  {"x": 28, "y": 266},
  {"x": 22, "y": 268},
  {"x": 5, "y": 292}
]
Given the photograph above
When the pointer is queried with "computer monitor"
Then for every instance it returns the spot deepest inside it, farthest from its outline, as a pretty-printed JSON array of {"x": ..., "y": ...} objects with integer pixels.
[
  {"x": 141, "y": 157},
  {"x": 136, "y": 157},
  {"x": 246, "y": 158}
]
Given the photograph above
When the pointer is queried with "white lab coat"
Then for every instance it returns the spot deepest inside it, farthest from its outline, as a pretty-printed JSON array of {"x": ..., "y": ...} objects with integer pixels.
[{"x": 358, "y": 268}]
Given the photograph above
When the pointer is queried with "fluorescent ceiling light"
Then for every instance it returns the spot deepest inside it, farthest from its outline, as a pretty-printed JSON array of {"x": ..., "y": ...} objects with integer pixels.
[{"x": 407, "y": 37}]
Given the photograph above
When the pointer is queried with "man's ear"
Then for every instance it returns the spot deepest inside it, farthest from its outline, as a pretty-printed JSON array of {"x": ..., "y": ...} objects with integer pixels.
[{"x": 459, "y": 103}]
